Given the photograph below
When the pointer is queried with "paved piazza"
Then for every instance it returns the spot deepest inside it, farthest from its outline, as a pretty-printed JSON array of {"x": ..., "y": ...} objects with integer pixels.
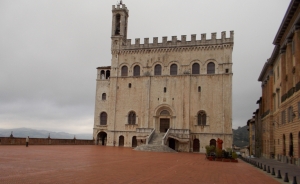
[{"x": 97, "y": 164}]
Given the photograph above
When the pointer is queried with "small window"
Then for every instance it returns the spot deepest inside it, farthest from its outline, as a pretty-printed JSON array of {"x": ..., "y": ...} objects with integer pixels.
[
  {"x": 118, "y": 24},
  {"x": 196, "y": 68},
  {"x": 173, "y": 69},
  {"x": 131, "y": 118},
  {"x": 104, "y": 96},
  {"x": 103, "y": 118},
  {"x": 129, "y": 85},
  {"x": 165, "y": 89},
  {"x": 227, "y": 70},
  {"x": 290, "y": 114},
  {"x": 201, "y": 118},
  {"x": 199, "y": 88},
  {"x": 283, "y": 117},
  {"x": 124, "y": 71},
  {"x": 157, "y": 70},
  {"x": 136, "y": 70},
  {"x": 102, "y": 75},
  {"x": 211, "y": 68}
]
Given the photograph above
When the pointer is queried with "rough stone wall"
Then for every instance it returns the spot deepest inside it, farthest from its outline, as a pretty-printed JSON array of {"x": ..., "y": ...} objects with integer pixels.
[{"x": 43, "y": 141}]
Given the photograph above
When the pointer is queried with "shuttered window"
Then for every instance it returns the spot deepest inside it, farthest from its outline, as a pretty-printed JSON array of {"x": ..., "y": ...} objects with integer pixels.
[
  {"x": 103, "y": 118},
  {"x": 131, "y": 118},
  {"x": 104, "y": 96},
  {"x": 136, "y": 70},
  {"x": 157, "y": 70},
  {"x": 211, "y": 68},
  {"x": 196, "y": 68},
  {"x": 201, "y": 118},
  {"x": 124, "y": 71},
  {"x": 173, "y": 69}
]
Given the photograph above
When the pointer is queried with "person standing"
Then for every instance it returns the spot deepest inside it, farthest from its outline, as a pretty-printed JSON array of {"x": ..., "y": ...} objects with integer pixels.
[{"x": 27, "y": 141}]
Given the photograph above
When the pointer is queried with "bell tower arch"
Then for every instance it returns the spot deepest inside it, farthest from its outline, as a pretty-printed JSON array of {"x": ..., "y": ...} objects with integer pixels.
[{"x": 120, "y": 15}]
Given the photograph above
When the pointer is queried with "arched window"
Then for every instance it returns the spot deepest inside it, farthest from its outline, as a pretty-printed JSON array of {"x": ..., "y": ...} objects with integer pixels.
[
  {"x": 201, "y": 118},
  {"x": 103, "y": 118},
  {"x": 131, "y": 118},
  {"x": 173, "y": 69},
  {"x": 283, "y": 146},
  {"x": 164, "y": 113},
  {"x": 107, "y": 74},
  {"x": 102, "y": 74},
  {"x": 157, "y": 70},
  {"x": 118, "y": 24},
  {"x": 196, "y": 68},
  {"x": 211, "y": 68},
  {"x": 121, "y": 140},
  {"x": 213, "y": 142},
  {"x": 136, "y": 70},
  {"x": 124, "y": 71},
  {"x": 103, "y": 96}
]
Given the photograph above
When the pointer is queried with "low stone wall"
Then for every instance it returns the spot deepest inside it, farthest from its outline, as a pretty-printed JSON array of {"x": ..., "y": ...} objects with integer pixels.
[{"x": 44, "y": 141}]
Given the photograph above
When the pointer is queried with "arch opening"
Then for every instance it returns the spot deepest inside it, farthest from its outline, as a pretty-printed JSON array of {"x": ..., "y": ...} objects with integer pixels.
[
  {"x": 121, "y": 141},
  {"x": 134, "y": 142},
  {"x": 196, "y": 145},
  {"x": 102, "y": 138}
]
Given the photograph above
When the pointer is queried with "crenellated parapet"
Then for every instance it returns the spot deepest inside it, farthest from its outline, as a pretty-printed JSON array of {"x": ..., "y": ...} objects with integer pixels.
[
  {"x": 180, "y": 43},
  {"x": 119, "y": 7}
]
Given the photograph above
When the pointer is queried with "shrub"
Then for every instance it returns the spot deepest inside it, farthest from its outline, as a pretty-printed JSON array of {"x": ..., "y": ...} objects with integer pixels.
[{"x": 234, "y": 155}]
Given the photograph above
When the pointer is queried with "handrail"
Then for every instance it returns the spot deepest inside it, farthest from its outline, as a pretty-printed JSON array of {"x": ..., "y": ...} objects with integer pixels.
[
  {"x": 150, "y": 136},
  {"x": 166, "y": 135}
]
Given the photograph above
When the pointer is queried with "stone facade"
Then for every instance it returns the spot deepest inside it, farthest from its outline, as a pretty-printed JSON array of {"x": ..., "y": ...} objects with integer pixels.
[
  {"x": 180, "y": 87},
  {"x": 279, "y": 107}
]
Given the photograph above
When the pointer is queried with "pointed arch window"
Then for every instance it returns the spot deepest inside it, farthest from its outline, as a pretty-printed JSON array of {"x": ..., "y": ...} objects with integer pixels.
[
  {"x": 211, "y": 68},
  {"x": 196, "y": 68},
  {"x": 201, "y": 118},
  {"x": 131, "y": 118},
  {"x": 157, "y": 70},
  {"x": 103, "y": 118},
  {"x": 136, "y": 70},
  {"x": 124, "y": 71},
  {"x": 173, "y": 69}
]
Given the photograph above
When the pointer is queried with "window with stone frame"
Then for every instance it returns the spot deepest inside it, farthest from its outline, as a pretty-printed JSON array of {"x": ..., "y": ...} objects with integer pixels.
[
  {"x": 103, "y": 118},
  {"x": 290, "y": 114},
  {"x": 201, "y": 118},
  {"x": 173, "y": 69},
  {"x": 283, "y": 117},
  {"x": 196, "y": 68},
  {"x": 103, "y": 96},
  {"x": 136, "y": 70},
  {"x": 157, "y": 69},
  {"x": 124, "y": 71},
  {"x": 298, "y": 110},
  {"x": 131, "y": 118},
  {"x": 211, "y": 68}
]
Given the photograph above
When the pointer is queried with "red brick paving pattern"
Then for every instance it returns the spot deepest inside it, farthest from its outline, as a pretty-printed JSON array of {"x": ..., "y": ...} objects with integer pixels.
[{"x": 97, "y": 164}]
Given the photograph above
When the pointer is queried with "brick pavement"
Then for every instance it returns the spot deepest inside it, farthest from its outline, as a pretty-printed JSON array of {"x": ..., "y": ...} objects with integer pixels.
[
  {"x": 97, "y": 164},
  {"x": 292, "y": 170}
]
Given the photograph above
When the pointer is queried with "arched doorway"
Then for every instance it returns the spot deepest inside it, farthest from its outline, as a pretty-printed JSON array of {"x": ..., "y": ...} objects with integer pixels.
[
  {"x": 283, "y": 146},
  {"x": 212, "y": 142},
  {"x": 196, "y": 145},
  {"x": 164, "y": 122},
  {"x": 172, "y": 143},
  {"x": 134, "y": 142},
  {"x": 291, "y": 147},
  {"x": 102, "y": 136},
  {"x": 121, "y": 140}
]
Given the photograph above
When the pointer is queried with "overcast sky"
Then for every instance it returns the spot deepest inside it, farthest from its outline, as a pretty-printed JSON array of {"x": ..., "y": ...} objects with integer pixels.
[{"x": 49, "y": 51}]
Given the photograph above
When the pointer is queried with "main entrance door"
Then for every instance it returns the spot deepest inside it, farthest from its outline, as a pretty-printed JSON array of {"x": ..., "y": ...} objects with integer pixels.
[{"x": 164, "y": 125}]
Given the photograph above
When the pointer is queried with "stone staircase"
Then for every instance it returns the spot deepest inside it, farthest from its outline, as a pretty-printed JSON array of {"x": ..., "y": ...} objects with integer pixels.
[{"x": 155, "y": 145}]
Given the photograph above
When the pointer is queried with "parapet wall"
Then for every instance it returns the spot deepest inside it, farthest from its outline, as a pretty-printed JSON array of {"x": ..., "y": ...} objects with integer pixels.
[
  {"x": 180, "y": 43},
  {"x": 44, "y": 141}
]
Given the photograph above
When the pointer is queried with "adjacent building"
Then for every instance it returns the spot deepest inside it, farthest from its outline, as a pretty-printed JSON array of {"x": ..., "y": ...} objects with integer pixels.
[{"x": 278, "y": 116}]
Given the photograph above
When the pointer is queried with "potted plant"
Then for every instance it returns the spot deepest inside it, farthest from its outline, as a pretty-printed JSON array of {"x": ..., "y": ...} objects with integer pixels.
[
  {"x": 234, "y": 157},
  {"x": 210, "y": 155},
  {"x": 218, "y": 154},
  {"x": 226, "y": 156}
]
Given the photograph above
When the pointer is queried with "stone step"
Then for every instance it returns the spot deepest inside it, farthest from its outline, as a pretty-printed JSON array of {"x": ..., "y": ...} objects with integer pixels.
[{"x": 154, "y": 148}]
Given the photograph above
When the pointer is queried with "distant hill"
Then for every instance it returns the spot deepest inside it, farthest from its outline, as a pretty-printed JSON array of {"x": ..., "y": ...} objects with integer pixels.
[
  {"x": 24, "y": 132},
  {"x": 241, "y": 136}
]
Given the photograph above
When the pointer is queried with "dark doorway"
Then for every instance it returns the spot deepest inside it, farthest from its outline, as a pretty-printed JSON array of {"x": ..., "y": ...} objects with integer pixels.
[
  {"x": 283, "y": 146},
  {"x": 299, "y": 145},
  {"x": 102, "y": 138},
  {"x": 196, "y": 145},
  {"x": 291, "y": 150},
  {"x": 134, "y": 142},
  {"x": 164, "y": 125},
  {"x": 212, "y": 142},
  {"x": 172, "y": 143},
  {"x": 121, "y": 140}
]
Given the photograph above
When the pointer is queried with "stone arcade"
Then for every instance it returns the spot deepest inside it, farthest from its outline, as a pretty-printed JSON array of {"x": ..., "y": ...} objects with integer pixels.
[{"x": 177, "y": 91}]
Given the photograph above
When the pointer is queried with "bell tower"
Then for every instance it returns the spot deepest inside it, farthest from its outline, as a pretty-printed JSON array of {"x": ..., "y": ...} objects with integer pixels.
[{"x": 120, "y": 15}]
